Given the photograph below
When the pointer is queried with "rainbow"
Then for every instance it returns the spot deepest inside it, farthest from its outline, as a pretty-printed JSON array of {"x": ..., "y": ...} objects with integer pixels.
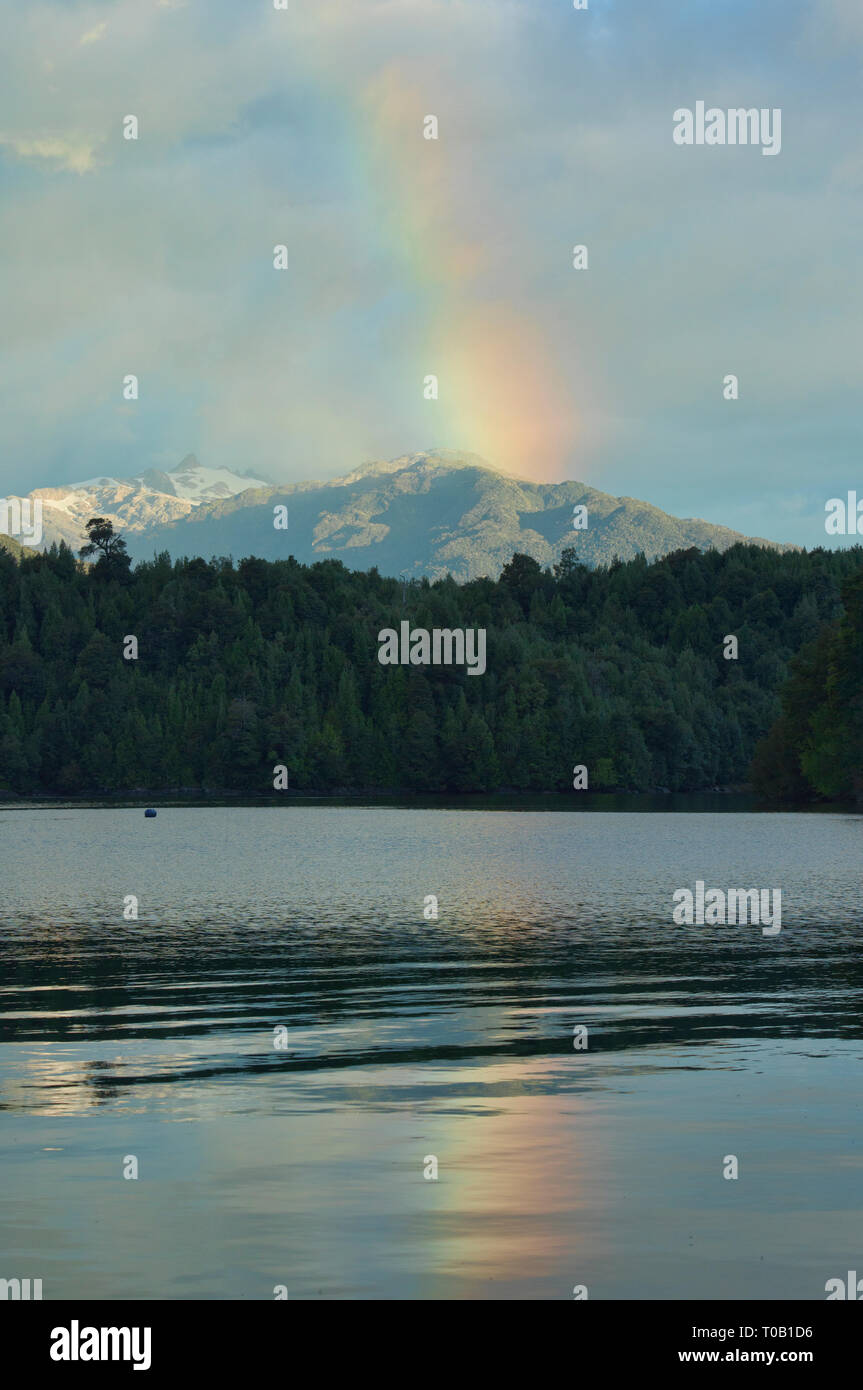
[{"x": 503, "y": 394}]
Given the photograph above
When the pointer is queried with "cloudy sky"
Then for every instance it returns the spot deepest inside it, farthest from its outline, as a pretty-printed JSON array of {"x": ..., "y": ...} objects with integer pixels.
[{"x": 410, "y": 256}]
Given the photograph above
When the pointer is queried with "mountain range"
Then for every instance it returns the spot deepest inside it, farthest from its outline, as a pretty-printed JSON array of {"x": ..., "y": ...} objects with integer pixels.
[{"x": 425, "y": 513}]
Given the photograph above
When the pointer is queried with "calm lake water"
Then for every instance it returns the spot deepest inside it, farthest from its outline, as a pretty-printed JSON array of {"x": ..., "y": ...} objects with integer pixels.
[{"x": 409, "y": 1038}]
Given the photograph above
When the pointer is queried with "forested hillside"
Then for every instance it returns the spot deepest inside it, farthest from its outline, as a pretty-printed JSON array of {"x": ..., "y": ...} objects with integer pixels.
[
  {"x": 815, "y": 748},
  {"x": 244, "y": 666}
]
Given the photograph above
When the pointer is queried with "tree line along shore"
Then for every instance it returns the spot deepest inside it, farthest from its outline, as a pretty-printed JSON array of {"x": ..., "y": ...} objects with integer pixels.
[{"x": 622, "y": 669}]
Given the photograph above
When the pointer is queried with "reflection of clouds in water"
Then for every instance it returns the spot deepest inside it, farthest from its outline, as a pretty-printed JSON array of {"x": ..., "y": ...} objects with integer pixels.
[
  {"x": 49, "y": 1082},
  {"x": 57, "y": 1081},
  {"x": 408, "y": 1037}
]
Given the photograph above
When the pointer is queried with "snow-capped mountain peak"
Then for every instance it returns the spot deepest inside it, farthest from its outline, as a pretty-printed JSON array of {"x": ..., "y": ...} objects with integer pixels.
[
  {"x": 197, "y": 484},
  {"x": 133, "y": 504}
]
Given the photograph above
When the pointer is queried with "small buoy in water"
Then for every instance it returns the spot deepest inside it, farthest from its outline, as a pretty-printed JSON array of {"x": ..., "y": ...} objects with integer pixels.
[{"x": 149, "y": 813}]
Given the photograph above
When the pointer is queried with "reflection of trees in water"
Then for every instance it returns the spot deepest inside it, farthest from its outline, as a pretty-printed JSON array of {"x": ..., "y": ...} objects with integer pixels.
[{"x": 179, "y": 1010}]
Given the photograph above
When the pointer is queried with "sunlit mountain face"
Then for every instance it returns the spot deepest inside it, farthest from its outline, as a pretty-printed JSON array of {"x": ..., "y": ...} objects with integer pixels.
[
  {"x": 136, "y": 503},
  {"x": 429, "y": 513}
]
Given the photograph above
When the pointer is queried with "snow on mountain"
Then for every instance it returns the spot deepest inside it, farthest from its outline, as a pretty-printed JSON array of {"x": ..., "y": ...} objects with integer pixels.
[
  {"x": 428, "y": 513},
  {"x": 431, "y": 513},
  {"x": 199, "y": 484},
  {"x": 153, "y": 498}
]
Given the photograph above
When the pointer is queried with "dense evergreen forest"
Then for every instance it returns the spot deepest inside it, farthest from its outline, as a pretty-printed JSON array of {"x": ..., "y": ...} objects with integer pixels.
[
  {"x": 244, "y": 666},
  {"x": 815, "y": 747}
]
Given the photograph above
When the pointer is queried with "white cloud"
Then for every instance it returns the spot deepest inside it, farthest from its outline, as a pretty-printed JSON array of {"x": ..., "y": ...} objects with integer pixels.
[
  {"x": 93, "y": 35},
  {"x": 74, "y": 153},
  {"x": 256, "y": 128}
]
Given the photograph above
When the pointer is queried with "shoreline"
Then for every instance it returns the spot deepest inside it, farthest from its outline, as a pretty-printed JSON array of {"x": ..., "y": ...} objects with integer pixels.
[{"x": 716, "y": 799}]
